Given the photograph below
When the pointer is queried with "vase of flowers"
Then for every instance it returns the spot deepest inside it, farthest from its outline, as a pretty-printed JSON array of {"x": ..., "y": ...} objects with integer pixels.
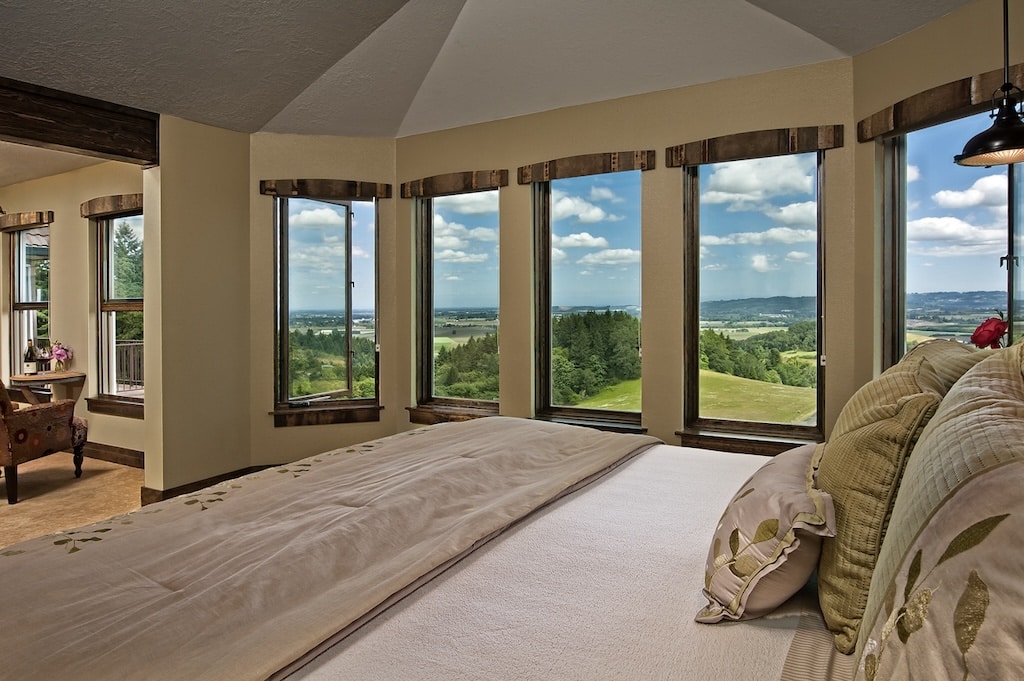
[{"x": 61, "y": 356}]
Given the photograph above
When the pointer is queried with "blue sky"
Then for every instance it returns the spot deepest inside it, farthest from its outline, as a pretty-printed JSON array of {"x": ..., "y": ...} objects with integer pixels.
[
  {"x": 316, "y": 252},
  {"x": 956, "y": 216}
]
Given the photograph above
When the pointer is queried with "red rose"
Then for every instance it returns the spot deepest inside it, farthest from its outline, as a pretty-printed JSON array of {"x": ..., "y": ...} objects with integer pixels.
[{"x": 989, "y": 333}]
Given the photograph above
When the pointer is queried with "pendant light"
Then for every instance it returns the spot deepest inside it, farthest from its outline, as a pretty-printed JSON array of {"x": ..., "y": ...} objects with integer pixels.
[{"x": 1002, "y": 143}]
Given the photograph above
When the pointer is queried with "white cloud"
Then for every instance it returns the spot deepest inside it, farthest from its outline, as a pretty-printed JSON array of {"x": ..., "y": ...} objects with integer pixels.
[
  {"x": 950, "y": 236},
  {"x": 800, "y": 214},
  {"x": 775, "y": 235},
  {"x": 315, "y": 217},
  {"x": 986, "y": 191},
  {"x": 913, "y": 173},
  {"x": 457, "y": 236},
  {"x": 358, "y": 252},
  {"x": 604, "y": 194},
  {"x": 579, "y": 240},
  {"x": 451, "y": 255},
  {"x": 611, "y": 256},
  {"x": 472, "y": 203},
  {"x": 558, "y": 255},
  {"x": 748, "y": 184},
  {"x": 763, "y": 263},
  {"x": 798, "y": 256},
  {"x": 714, "y": 267},
  {"x": 453, "y": 277}
]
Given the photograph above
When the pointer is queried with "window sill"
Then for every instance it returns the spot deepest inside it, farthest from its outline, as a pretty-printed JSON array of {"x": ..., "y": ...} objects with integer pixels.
[
  {"x": 432, "y": 412},
  {"x": 742, "y": 443},
  {"x": 111, "y": 405},
  {"x": 286, "y": 417},
  {"x": 616, "y": 422}
]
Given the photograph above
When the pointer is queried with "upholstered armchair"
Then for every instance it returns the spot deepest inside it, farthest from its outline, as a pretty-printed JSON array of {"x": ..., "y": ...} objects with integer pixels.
[{"x": 34, "y": 431}]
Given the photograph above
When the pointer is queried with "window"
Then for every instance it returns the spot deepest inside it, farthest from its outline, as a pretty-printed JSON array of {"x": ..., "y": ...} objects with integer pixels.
[
  {"x": 588, "y": 308},
  {"x": 753, "y": 278},
  {"x": 953, "y": 229},
  {"x": 326, "y": 327},
  {"x": 121, "y": 338},
  {"x": 30, "y": 320}
]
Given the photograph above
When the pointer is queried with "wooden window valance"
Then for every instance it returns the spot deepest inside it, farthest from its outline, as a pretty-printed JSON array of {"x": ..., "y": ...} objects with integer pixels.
[
  {"x": 117, "y": 204},
  {"x": 13, "y": 222},
  {"x": 937, "y": 105},
  {"x": 454, "y": 183},
  {"x": 756, "y": 144},
  {"x": 587, "y": 164},
  {"x": 341, "y": 190}
]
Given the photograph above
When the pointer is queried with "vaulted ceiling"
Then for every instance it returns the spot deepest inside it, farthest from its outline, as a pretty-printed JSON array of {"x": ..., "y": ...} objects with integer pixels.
[{"x": 401, "y": 67}]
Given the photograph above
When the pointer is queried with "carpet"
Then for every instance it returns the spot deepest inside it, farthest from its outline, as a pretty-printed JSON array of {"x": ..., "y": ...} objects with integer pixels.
[{"x": 51, "y": 499}]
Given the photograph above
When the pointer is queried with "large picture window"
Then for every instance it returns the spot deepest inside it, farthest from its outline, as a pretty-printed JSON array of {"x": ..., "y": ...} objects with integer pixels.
[
  {"x": 326, "y": 293},
  {"x": 753, "y": 355},
  {"x": 588, "y": 225}
]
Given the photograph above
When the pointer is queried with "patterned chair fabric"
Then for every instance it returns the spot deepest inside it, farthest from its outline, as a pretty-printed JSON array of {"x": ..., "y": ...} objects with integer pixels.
[{"x": 35, "y": 431}]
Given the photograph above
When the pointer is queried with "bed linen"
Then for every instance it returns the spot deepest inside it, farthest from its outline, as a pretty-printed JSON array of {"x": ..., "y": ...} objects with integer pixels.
[
  {"x": 600, "y": 585},
  {"x": 239, "y": 580}
]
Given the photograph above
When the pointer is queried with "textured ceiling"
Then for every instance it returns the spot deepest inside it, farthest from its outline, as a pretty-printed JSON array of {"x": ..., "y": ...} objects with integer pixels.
[{"x": 400, "y": 67}]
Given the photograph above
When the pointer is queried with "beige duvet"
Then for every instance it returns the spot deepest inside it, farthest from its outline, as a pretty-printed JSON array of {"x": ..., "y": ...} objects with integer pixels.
[{"x": 243, "y": 578}]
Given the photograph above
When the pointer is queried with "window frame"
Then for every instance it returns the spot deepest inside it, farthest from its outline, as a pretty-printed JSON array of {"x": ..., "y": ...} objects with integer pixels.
[
  {"x": 539, "y": 176},
  {"x": 17, "y": 225},
  {"x": 888, "y": 128},
  {"x": 349, "y": 410},
  {"x": 432, "y": 408},
  {"x": 729, "y": 434}
]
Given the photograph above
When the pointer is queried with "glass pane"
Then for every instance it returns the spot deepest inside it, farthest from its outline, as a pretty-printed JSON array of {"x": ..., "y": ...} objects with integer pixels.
[
  {"x": 30, "y": 327},
  {"x": 595, "y": 291},
  {"x": 465, "y": 289},
  {"x": 331, "y": 300},
  {"x": 125, "y": 266},
  {"x": 32, "y": 285},
  {"x": 956, "y": 233},
  {"x": 758, "y": 290},
  {"x": 127, "y": 354}
]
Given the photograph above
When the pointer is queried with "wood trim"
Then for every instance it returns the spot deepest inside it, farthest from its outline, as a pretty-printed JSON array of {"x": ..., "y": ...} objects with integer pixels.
[
  {"x": 733, "y": 443},
  {"x": 116, "y": 406},
  {"x": 936, "y": 105},
  {"x": 13, "y": 222},
  {"x": 118, "y": 455},
  {"x": 326, "y": 189},
  {"x": 441, "y": 412},
  {"x": 117, "y": 204},
  {"x": 454, "y": 183},
  {"x": 756, "y": 144},
  {"x": 151, "y": 496},
  {"x": 320, "y": 416},
  {"x": 587, "y": 164},
  {"x": 52, "y": 119}
]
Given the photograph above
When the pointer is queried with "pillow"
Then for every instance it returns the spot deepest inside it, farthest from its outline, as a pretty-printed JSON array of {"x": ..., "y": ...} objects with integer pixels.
[
  {"x": 952, "y": 609},
  {"x": 860, "y": 468},
  {"x": 977, "y": 427},
  {"x": 767, "y": 543}
]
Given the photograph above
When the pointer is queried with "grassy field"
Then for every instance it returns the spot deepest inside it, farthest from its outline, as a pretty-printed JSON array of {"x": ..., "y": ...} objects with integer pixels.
[{"x": 725, "y": 396}]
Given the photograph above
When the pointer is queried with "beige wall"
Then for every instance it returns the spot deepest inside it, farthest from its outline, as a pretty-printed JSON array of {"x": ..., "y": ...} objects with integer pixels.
[
  {"x": 73, "y": 276},
  {"x": 210, "y": 265}
]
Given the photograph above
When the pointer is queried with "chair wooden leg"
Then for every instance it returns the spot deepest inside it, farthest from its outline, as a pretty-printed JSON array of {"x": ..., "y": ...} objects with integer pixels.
[
  {"x": 77, "y": 458},
  {"x": 11, "y": 480}
]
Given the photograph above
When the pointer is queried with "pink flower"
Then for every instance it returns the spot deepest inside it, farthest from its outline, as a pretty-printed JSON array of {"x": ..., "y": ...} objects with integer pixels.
[{"x": 990, "y": 332}]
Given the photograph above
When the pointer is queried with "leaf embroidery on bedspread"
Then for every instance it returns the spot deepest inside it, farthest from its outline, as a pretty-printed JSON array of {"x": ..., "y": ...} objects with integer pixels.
[
  {"x": 71, "y": 540},
  {"x": 968, "y": 615},
  {"x": 217, "y": 496}
]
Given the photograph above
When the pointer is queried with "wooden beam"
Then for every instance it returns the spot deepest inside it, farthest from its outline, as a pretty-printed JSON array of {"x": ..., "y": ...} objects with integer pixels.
[
  {"x": 41, "y": 117},
  {"x": 455, "y": 183},
  {"x": 118, "y": 204},
  {"x": 587, "y": 164}
]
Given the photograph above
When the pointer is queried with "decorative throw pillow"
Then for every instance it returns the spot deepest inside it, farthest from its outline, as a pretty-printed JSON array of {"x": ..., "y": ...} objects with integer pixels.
[
  {"x": 860, "y": 468},
  {"x": 768, "y": 541}
]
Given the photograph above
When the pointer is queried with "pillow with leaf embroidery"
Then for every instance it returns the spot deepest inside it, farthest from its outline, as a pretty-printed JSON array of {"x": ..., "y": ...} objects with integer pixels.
[{"x": 767, "y": 544}]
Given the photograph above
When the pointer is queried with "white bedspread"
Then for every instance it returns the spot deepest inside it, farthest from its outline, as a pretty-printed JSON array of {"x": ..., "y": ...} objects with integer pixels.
[{"x": 601, "y": 585}]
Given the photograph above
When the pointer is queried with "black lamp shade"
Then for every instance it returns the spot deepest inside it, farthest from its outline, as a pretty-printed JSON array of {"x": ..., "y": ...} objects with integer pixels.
[{"x": 1002, "y": 143}]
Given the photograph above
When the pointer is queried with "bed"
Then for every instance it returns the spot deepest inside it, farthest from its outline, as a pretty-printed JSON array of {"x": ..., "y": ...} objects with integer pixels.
[
  {"x": 505, "y": 548},
  {"x": 510, "y": 548}
]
